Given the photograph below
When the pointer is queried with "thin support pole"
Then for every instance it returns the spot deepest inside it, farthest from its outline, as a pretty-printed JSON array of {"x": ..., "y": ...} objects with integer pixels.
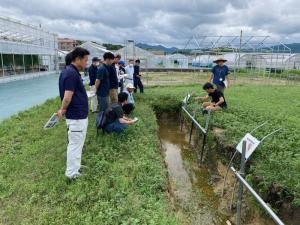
[
  {"x": 233, "y": 194},
  {"x": 24, "y": 69},
  {"x": 203, "y": 146},
  {"x": 191, "y": 130},
  {"x": 241, "y": 186},
  {"x": 2, "y": 64},
  {"x": 225, "y": 177},
  {"x": 181, "y": 120}
]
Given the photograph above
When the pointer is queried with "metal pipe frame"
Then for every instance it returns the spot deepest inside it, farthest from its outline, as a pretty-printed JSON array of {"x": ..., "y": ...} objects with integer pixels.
[
  {"x": 194, "y": 120},
  {"x": 257, "y": 197}
]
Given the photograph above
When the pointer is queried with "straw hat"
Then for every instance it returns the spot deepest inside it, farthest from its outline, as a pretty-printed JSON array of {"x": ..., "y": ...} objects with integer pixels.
[{"x": 220, "y": 59}]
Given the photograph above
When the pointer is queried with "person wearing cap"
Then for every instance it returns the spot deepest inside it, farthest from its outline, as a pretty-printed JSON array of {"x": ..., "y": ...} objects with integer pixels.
[
  {"x": 129, "y": 107},
  {"x": 121, "y": 74},
  {"x": 92, "y": 75},
  {"x": 219, "y": 74}
]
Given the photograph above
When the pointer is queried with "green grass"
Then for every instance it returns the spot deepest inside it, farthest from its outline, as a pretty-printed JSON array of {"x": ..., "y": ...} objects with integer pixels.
[
  {"x": 277, "y": 160},
  {"x": 125, "y": 183}
]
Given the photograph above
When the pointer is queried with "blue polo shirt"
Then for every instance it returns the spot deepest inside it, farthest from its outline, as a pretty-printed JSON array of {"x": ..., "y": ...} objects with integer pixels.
[
  {"x": 113, "y": 77},
  {"x": 92, "y": 74},
  {"x": 220, "y": 73},
  {"x": 103, "y": 76},
  {"x": 70, "y": 80}
]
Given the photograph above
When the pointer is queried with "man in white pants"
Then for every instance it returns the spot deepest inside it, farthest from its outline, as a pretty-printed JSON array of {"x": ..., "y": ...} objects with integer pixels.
[
  {"x": 92, "y": 75},
  {"x": 129, "y": 71},
  {"x": 75, "y": 108}
]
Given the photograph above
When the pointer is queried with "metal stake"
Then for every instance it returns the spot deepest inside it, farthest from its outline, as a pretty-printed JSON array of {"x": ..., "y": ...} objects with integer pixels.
[
  {"x": 191, "y": 130},
  {"x": 240, "y": 194}
]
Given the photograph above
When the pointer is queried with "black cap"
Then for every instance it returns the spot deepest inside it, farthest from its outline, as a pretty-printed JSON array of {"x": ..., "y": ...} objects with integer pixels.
[{"x": 95, "y": 59}]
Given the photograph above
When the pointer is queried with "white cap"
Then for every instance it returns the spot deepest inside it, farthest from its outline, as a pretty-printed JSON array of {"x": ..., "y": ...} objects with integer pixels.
[{"x": 130, "y": 86}]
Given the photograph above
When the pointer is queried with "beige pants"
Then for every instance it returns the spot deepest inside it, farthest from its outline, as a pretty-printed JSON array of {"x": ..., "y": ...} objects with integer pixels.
[{"x": 113, "y": 95}]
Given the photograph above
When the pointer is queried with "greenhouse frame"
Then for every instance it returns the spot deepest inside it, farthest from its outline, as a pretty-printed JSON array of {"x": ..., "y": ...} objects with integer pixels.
[{"x": 26, "y": 50}]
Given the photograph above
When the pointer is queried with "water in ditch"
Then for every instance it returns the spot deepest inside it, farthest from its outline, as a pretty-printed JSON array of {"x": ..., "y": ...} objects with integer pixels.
[{"x": 190, "y": 185}]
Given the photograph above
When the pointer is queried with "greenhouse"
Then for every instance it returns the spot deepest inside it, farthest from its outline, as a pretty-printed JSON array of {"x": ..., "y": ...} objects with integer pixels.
[
  {"x": 95, "y": 50},
  {"x": 131, "y": 51},
  {"x": 26, "y": 49},
  {"x": 177, "y": 61}
]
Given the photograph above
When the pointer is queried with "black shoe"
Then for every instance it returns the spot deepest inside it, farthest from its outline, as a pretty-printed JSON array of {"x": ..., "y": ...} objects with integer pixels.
[{"x": 204, "y": 111}]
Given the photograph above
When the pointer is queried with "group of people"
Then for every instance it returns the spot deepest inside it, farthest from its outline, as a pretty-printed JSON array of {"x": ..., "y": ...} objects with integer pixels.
[
  {"x": 215, "y": 87},
  {"x": 113, "y": 85},
  {"x": 113, "y": 77}
]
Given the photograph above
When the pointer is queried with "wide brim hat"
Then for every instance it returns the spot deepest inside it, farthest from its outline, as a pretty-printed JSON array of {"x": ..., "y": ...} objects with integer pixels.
[{"x": 220, "y": 59}]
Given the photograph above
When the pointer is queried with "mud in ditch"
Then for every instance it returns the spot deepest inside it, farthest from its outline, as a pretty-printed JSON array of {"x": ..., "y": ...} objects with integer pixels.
[
  {"x": 192, "y": 193},
  {"x": 195, "y": 190}
]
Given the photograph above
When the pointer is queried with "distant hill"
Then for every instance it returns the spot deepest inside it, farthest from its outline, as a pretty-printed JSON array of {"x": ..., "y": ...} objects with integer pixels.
[
  {"x": 157, "y": 47},
  {"x": 295, "y": 47}
]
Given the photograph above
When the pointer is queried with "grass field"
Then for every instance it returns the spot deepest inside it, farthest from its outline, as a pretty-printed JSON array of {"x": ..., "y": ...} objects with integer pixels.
[
  {"x": 125, "y": 183},
  {"x": 126, "y": 180},
  {"x": 277, "y": 160}
]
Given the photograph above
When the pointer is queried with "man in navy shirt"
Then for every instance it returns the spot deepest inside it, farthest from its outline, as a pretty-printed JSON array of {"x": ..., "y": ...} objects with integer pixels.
[
  {"x": 137, "y": 77},
  {"x": 92, "y": 75},
  {"x": 75, "y": 108},
  {"x": 113, "y": 81},
  {"x": 102, "y": 81},
  {"x": 219, "y": 75}
]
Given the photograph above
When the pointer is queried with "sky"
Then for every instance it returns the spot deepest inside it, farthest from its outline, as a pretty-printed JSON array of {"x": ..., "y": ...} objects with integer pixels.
[{"x": 167, "y": 22}]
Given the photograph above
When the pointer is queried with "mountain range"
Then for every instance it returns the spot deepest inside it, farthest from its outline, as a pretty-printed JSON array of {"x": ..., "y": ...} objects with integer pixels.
[{"x": 295, "y": 47}]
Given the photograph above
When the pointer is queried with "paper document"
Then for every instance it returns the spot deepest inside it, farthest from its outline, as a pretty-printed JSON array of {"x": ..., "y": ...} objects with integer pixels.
[
  {"x": 90, "y": 94},
  {"x": 52, "y": 121}
]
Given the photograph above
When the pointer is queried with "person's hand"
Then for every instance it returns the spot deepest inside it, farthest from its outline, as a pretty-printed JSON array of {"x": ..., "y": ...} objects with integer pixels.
[{"x": 61, "y": 113}]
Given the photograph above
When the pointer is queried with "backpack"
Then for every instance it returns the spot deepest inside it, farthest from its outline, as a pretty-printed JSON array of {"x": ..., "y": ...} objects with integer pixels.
[{"x": 100, "y": 120}]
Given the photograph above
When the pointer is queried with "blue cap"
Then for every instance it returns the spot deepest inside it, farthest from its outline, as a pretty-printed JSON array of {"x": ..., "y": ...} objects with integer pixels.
[{"x": 121, "y": 62}]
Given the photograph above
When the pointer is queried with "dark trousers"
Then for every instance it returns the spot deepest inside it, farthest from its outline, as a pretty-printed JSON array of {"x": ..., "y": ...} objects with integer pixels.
[
  {"x": 138, "y": 84},
  {"x": 103, "y": 102},
  {"x": 128, "y": 108},
  {"x": 115, "y": 126}
]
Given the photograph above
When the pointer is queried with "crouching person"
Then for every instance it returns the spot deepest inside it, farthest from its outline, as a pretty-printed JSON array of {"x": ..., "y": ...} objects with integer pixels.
[
  {"x": 115, "y": 119},
  {"x": 129, "y": 107},
  {"x": 217, "y": 102}
]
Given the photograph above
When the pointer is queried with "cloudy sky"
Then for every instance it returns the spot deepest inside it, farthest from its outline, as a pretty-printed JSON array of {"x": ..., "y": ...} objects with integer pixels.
[{"x": 168, "y": 22}]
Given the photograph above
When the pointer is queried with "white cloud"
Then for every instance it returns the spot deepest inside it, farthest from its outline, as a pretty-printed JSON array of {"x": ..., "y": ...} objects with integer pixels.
[{"x": 169, "y": 22}]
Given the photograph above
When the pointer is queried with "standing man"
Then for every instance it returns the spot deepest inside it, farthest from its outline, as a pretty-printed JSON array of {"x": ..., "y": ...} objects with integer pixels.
[
  {"x": 102, "y": 82},
  {"x": 92, "y": 75},
  {"x": 129, "y": 71},
  {"x": 113, "y": 81},
  {"x": 75, "y": 107},
  {"x": 219, "y": 75},
  {"x": 121, "y": 75},
  {"x": 137, "y": 77}
]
